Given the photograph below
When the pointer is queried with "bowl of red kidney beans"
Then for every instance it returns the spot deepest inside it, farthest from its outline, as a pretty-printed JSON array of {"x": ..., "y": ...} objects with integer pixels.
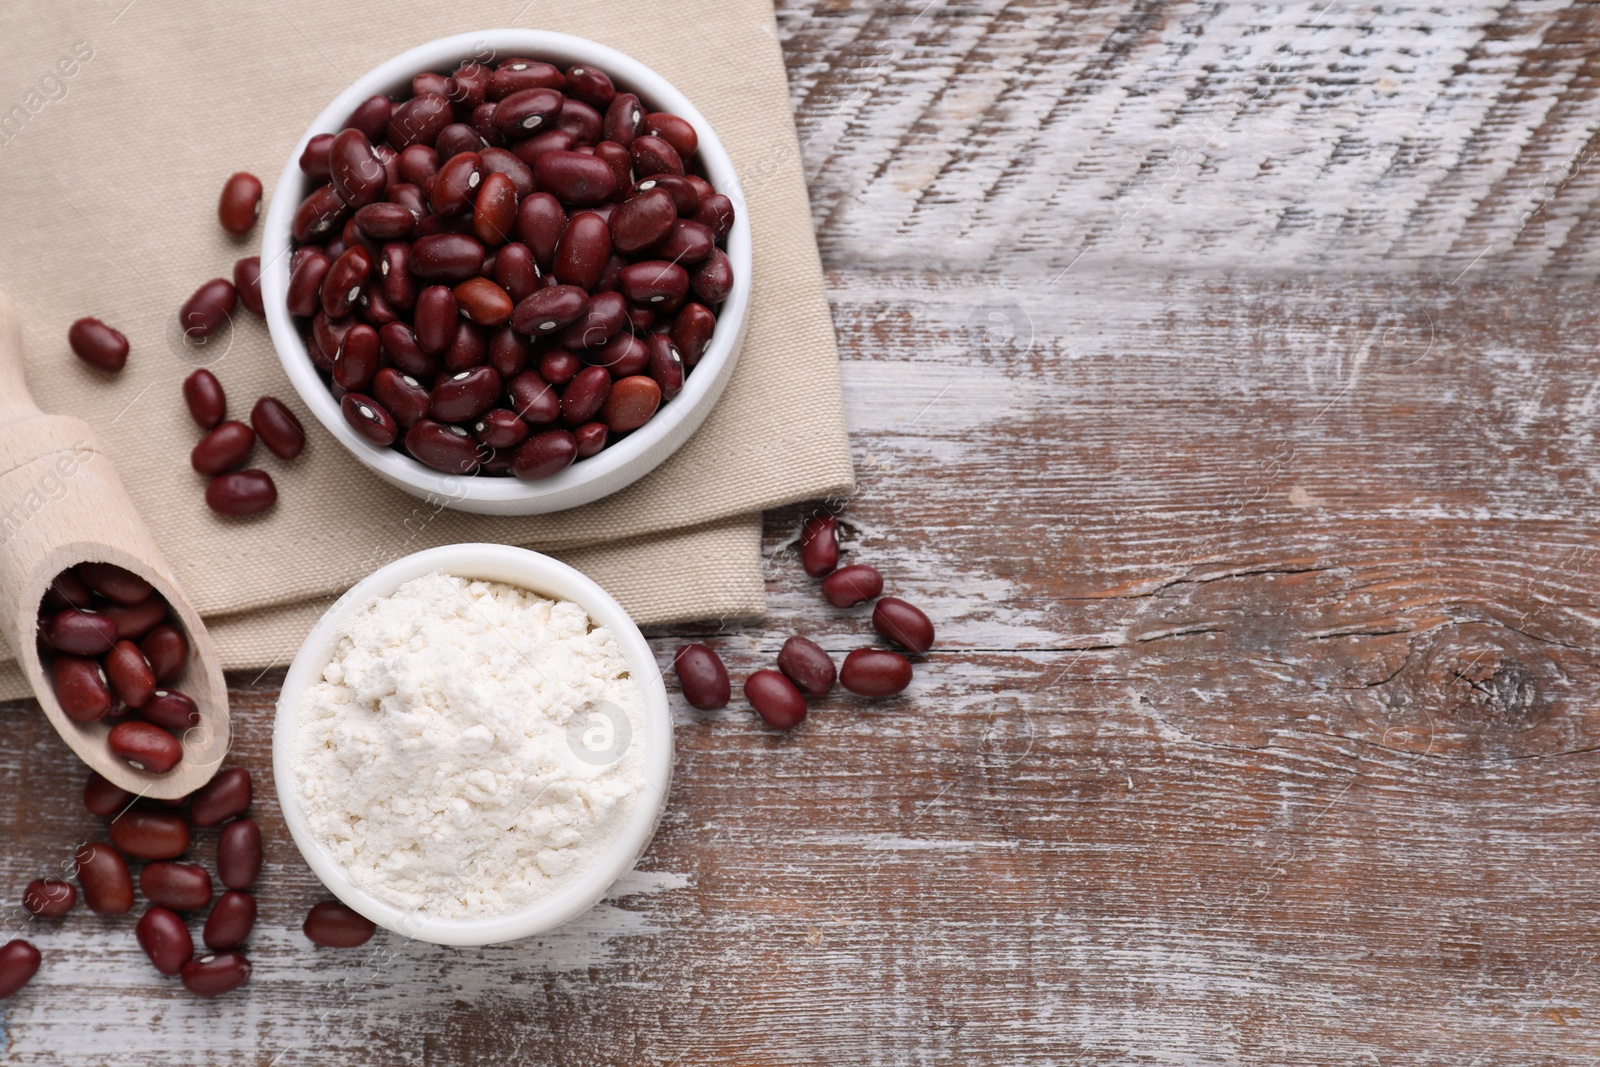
[{"x": 508, "y": 270}]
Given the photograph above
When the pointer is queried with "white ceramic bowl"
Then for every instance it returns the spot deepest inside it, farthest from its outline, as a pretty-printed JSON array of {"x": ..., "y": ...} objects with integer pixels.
[
  {"x": 541, "y": 574},
  {"x": 587, "y": 479}
]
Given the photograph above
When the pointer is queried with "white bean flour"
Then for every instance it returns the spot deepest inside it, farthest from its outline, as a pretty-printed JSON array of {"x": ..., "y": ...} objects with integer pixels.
[{"x": 433, "y": 760}]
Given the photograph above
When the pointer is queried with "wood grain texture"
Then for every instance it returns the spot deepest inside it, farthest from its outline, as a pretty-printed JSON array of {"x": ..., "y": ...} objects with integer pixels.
[{"x": 1261, "y": 542}]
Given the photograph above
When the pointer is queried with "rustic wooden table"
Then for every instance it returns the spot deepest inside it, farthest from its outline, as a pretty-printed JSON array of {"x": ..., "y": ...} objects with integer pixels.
[{"x": 1220, "y": 380}]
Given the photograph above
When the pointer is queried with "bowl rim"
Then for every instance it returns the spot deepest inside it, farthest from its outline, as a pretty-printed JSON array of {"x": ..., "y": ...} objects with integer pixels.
[
  {"x": 541, "y": 574},
  {"x": 621, "y": 463}
]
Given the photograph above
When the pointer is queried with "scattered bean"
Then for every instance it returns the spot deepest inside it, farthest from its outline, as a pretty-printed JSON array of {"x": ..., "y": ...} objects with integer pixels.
[
  {"x": 875, "y": 672},
  {"x": 335, "y": 925},
  {"x": 49, "y": 898},
  {"x": 103, "y": 798},
  {"x": 98, "y": 344},
  {"x": 223, "y": 448},
  {"x": 702, "y": 677},
  {"x": 239, "y": 854},
  {"x": 203, "y": 394},
  {"x": 208, "y": 310},
  {"x": 903, "y": 623},
  {"x": 852, "y": 585},
  {"x": 278, "y": 427},
  {"x": 145, "y": 747},
  {"x": 239, "y": 493},
  {"x": 232, "y": 918},
  {"x": 808, "y": 665},
  {"x": 215, "y": 974},
  {"x": 19, "y": 962},
  {"x": 103, "y": 875},
  {"x": 179, "y": 886},
  {"x": 239, "y": 203},
  {"x": 776, "y": 699},
  {"x": 226, "y": 795},
  {"x": 819, "y": 545}
]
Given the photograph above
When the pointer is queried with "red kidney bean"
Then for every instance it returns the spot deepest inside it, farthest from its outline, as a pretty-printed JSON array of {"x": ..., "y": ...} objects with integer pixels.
[
  {"x": 342, "y": 286},
  {"x": 82, "y": 633},
  {"x": 358, "y": 176},
  {"x": 329, "y": 335},
  {"x": 215, "y": 974},
  {"x": 114, "y": 582},
  {"x": 226, "y": 795},
  {"x": 314, "y": 157},
  {"x": 508, "y": 352},
  {"x": 483, "y": 302},
  {"x": 172, "y": 710},
  {"x": 334, "y": 925},
  {"x": 395, "y": 278},
  {"x": 585, "y": 395},
  {"x": 208, "y": 309},
  {"x": 456, "y": 184},
  {"x": 446, "y": 257},
  {"x": 687, "y": 242},
  {"x": 418, "y": 166},
  {"x": 558, "y": 367},
  {"x": 527, "y": 112},
  {"x": 530, "y": 149},
  {"x": 49, "y": 898},
  {"x": 819, "y": 545},
  {"x": 103, "y": 875},
  {"x": 532, "y": 398},
  {"x": 410, "y": 197},
  {"x": 640, "y": 221},
  {"x": 389, "y": 159},
  {"x": 776, "y": 699},
  {"x": 874, "y": 672},
  {"x": 624, "y": 119},
  {"x": 903, "y": 623},
  {"x": 240, "y": 200},
  {"x": 165, "y": 939},
  {"x": 463, "y": 397},
  {"x": 98, "y": 344},
  {"x": 401, "y": 395},
  {"x": 591, "y": 85},
  {"x": 544, "y": 454},
  {"x": 702, "y": 676},
  {"x": 500, "y": 428},
  {"x": 467, "y": 349},
  {"x": 104, "y": 798},
  {"x": 203, "y": 394},
  {"x": 702, "y": 188},
  {"x": 81, "y": 688},
  {"x": 435, "y": 319},
  {"x": 130, "y": 674},
  {"x": 540, "y": 224},
  {"x": 469, "y": 85},
  {"x": 357, "y": 359},
  {"x": 430, "y": 82},
  {"x": 604, "y": 318},
  {"x": 371, "y": 117},
  {"x": 227, "y": 446},
  {"x": 305, "y": 284},
  {"x": 179, "y": 886},
  {"x": 482, "y": 122},
  {"x": 674, "y": 130},
  {"x": 516, "y": 272},
  {"x": 319, "y": 214},
  {"x": 652, "y": 155},
  {"x": 399, "y": 345},
  {"x": 369, "y": 419},
  {"x": 581, "y": 253},
  {"x": 66, "y": 591},
  {"x": 630, "y": 403},
  {"x": 713, "y": 279},
  {"x": 149, "y": 835},
  {"x": 621, "y": 163},
  {"x": 683, "y": 192},
  {"x": 444, "y": 448},
  {"x": 239, "y": 854},
  {"x": 581, "y": 121},
  {"x": 278, "y": 427},
  {"x": 241, "y": 493},
  {"x": 666, "y": 366},
  {"x": 456, "y": 138},
  {"x": 592, "y": 438},
  {"x": 654, "y": 281},
  {"x": 247, "y": 283},
  {"x": 575, "y": 178},
  {"x": 517, "y": 75},
  {"x": 19, "y": 962},
  {"x": 494, "y": 212},
  {"x": 166, "y": 650},
  {"x": 419, "y": 121},
  {"x": 715, "y": 212},
  {"x": 548, "y": 310},
  {"x": 808, "y": 665},
  {"x": 385, "y": 221},
  {"x": 852, "y": 585},
  {"x": 500, "y": 161},
  {"x": 232, "y": 918},
  {"x": 144, "y": 747}
]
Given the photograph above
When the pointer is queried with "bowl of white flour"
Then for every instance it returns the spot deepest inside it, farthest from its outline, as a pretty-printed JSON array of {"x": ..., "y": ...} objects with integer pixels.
[{"x": 472, "y": 745}]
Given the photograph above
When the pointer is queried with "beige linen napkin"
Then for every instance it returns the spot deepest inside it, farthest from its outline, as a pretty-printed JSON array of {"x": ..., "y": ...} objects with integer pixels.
[{"x": 119, "y": 123}]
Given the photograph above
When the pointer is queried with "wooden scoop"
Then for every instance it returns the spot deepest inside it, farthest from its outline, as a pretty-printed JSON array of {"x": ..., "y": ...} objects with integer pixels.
[{"x": 61, "y": 504}]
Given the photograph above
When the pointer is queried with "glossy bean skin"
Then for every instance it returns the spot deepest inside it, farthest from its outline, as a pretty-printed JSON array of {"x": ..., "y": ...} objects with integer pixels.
[
  {"x": 456, "y": 184},
  {"x": 544, "y": 454},
  {"x": 81, "y": 633},
  {"x": 226, "y": 795},
  {"x": 103, "y": 876},
  {"x": 688, "y": 242},
  {"x": 444, "y": 448},
  {"x": 653, "y": 155},
  {"x": 712, "y": 280},
  {"x": 386, "y": 221},
  {"x": 585, "y": 395},
  {"x": 144, "y": 747},
  {"x": 558, "y": 367},
  {"x": 208, "y": 310},
  {"x": 239, "y": 854},
  {"x": 49, "y": 898},
  {"x": 624, "y": 119},
  {"x": 357, "y": 359},
  {"x": 369, "y": 418},
  {"x": 580, "y": 120},
  {"x": 247, "y": 284},
  {"x": 232, "y": 918},
  {"x": 666, "y": 366},
  {"x": 463, "y": 397},
  {"x": 483, "y": 302},
  {"x": 204, "y": 396},
  {"x": 527, "y": 112},
  {"x": 499, "y": 161},
  {"x": 602, "y": 320},
  {"x": 540, "y": 224},
  {"x": 241, "y": 493},
  {"x": 357, "y": 175},
  {"x": 165, "y": 939},
  {"x": 401, "y": 395},
  {"x": 630, "y": 403},
  {"x": 335, "y": 925},
  {"x": 683, "y": 192},
  {"x": 642, "y": 220},
  {"x": 702, "y": 188},
  {"x": 130, "y": 674},
  {"x": 775, "y": 699},
  {"x": 500, "y": 428},
  {"x": 654, "y": 281},
  {"x": 808, "y": 665},
  {"x": 515, "y": 271},
  {"x": 342, "y": 285},
  {"x": 66, "y": 591},
  {"x": 623, "y": 355},
  {"x": 446, "y": 257},
  {"x": 371, "y": 117},
  {"x": 533, "y": 400},
  {"x": 677, "y": 132},
  {"x": 214, "y": 974},
  {"x": 223, "y": 448},
  {"x": 903, "y": 623},
  {"x": 103, "y": 798},
  {"x": 418, "y": 165},
  {"x": 468, "y": 348},
  {"x": 179, "y": 886},
  {"x": 171, "y": 709},
  {"x": 114, "y": 582},
  {"x": 852, "y": 585},
  {"x": 575, "y": 178},
  {"x": 239, "y": 203},
  {"x": 581, "y": 254},
  {"x": 399, "y": 344},
  {"x": 550, "y": 309},
  {"x": 166, "y": 650},
  {"x": 314, "y": 157},
  {"x": 81, "y": 688},
  {"x": 592, "y": 438},
  {"x": 98, "y": 344},
  {"x": 435, "y": 320},
  {"x": 875, "y": 672},
  {"x": 305, "y": 284},
  {"x": 508, "y": 352},
  {"x": 819, "y": 545},
  {"x": 702, "y": 677},
  {"x": 319, "y": 215},
  {"x": 278, "y": 427},
  {"x": 394, "y": 276},
  {"x": 456, "y": 138},
  {"x": 715, "y": 212},
  {"x": 419, "y": 120},
  {"x": 494, "y": 211},
  {"x": 691, "y": 331},
  {"x": 591, "y": 85},
  {"x": 19, "y": 962}
]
